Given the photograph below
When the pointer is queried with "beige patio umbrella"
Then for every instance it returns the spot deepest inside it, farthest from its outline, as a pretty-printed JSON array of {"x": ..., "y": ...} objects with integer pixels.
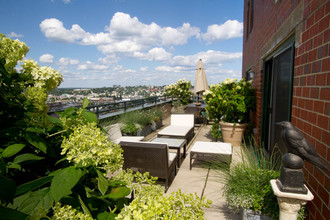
[{"x": 200, "y": 81}]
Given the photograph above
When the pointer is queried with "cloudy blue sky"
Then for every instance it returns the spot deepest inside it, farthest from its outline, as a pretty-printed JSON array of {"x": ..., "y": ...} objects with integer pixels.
[{"x": 97, "y": 43}]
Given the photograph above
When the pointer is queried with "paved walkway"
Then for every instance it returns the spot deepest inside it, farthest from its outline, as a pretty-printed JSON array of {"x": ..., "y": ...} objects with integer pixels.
[
  {"x": 202, "y": 180},
  {"x": 194, "y": 180}
]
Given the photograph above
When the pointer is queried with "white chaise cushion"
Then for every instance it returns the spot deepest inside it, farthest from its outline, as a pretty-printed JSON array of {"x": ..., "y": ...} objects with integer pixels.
[
  {"x": 175, "y": 130},
  {"x": 183, "y": 120}
]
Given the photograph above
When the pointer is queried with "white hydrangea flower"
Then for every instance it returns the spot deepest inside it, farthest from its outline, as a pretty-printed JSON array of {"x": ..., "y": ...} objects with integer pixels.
[{"x": 87, "y": 144}]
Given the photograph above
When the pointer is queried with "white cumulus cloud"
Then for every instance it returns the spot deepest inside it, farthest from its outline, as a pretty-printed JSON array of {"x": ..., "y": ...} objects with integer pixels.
[
  {"x": 156, "y": 53},
  {"x": 65, "y": 61},
  {"x": 92, "y": 66},
  {"x": 208, "y": 57},
  {"x": 125, "y": 34},
  {"x": 55, "y": 31},
  {"x": 225, "y": 31},
  {"x": 46, "y": 58},
  {"x": 144, "y": 69},
  {"x": 14, "y": 35}
]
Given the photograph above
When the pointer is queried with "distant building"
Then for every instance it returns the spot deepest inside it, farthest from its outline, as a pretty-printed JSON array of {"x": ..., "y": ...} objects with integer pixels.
[
  {"x": 81, "y": 90},
  {"x": 286, "y": 53}
]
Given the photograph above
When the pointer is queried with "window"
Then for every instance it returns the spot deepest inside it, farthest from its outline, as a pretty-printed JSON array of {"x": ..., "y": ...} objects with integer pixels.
[{"x": 249, "y": 18}]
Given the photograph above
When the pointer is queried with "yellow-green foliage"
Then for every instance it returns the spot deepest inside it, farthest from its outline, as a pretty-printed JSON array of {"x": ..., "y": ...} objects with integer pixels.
[
  {"x": 43, "y": 77},
  {"x": 177, "y": 205},
  {"x": 88, "y": 145},
  {"x": 12, "y": 51},
  {"x": 67, "y": 212}
]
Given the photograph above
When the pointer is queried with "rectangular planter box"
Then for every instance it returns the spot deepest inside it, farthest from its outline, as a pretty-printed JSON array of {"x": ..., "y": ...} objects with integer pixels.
[
  {"x": 156, "y": 125},
  {"x": 145, "y": 131}
]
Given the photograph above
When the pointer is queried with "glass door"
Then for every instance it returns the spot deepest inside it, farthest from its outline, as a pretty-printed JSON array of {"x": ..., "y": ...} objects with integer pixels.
[{"x": 277, "y": 95}]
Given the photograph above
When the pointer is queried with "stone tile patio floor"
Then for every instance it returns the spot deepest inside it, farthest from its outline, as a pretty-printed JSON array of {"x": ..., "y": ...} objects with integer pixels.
[{"x": 202, "y": 180}]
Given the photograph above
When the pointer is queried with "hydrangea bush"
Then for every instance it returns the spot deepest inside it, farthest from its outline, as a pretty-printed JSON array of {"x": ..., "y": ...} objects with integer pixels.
[
  {"x": 180, "y": 90},
  {"x": 12, "y": 51},
  {"x": 177, "y": 205},
  {"x": 230, "y": 101},
  {"x": 43, "y": 77},
  {"x": 67, "y": 212},
  {"x": 150, "y": 202},
  {"x": 88, "y": 145}
]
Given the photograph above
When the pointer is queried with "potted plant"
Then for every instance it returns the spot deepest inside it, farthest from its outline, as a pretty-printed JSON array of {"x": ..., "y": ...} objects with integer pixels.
[{"x": 229, "y": 104}]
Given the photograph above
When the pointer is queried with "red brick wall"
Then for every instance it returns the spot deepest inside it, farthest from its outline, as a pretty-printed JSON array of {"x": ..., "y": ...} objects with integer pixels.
[
  {"x": 311, "y": 98},
  {"x": 268, "y": 17},
  {"x": 311, "y": 91}
]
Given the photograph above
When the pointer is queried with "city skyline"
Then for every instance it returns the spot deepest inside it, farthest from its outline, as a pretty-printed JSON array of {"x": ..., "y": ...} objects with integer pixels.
[{"x": 129, "y": 42}]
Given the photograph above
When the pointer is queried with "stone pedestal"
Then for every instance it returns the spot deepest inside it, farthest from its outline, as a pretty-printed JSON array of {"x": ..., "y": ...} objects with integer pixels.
[{"x": 290, "y": 203}]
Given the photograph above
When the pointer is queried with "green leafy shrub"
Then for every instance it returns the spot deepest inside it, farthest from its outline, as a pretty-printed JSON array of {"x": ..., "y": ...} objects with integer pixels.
[{"x": 150, "y": 202}]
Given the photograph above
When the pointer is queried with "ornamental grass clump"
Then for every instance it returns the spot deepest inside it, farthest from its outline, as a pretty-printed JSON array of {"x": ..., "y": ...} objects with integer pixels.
[
  {"x": 248, "y": 183},
  {"x": 181, "y": 90}
]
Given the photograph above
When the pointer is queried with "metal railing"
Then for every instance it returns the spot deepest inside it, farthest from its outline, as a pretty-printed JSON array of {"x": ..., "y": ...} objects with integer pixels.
[{"x": 115, "y": 108}]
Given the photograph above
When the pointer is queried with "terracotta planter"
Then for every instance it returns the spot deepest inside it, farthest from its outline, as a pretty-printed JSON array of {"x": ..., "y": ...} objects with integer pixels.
[{"x": 233, "y": 134}]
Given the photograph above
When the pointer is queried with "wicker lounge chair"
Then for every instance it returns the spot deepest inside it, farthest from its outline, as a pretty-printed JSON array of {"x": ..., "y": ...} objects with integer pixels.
[
  {"x": 149, "y": 157},
  {"x": 115, "y": 135},
  {"x": 182, "y": 126}
]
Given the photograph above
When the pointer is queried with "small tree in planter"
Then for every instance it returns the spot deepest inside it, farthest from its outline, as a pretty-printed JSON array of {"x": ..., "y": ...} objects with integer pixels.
[{"x": 229, "y": 104}]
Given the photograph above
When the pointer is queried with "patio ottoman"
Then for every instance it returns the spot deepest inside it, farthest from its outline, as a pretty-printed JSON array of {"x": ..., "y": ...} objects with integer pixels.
[{"x": 203, "y": 148}]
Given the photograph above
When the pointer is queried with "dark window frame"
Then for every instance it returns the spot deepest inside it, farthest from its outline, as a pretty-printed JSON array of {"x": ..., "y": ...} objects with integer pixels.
[{"x": 250, "y": 16}]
